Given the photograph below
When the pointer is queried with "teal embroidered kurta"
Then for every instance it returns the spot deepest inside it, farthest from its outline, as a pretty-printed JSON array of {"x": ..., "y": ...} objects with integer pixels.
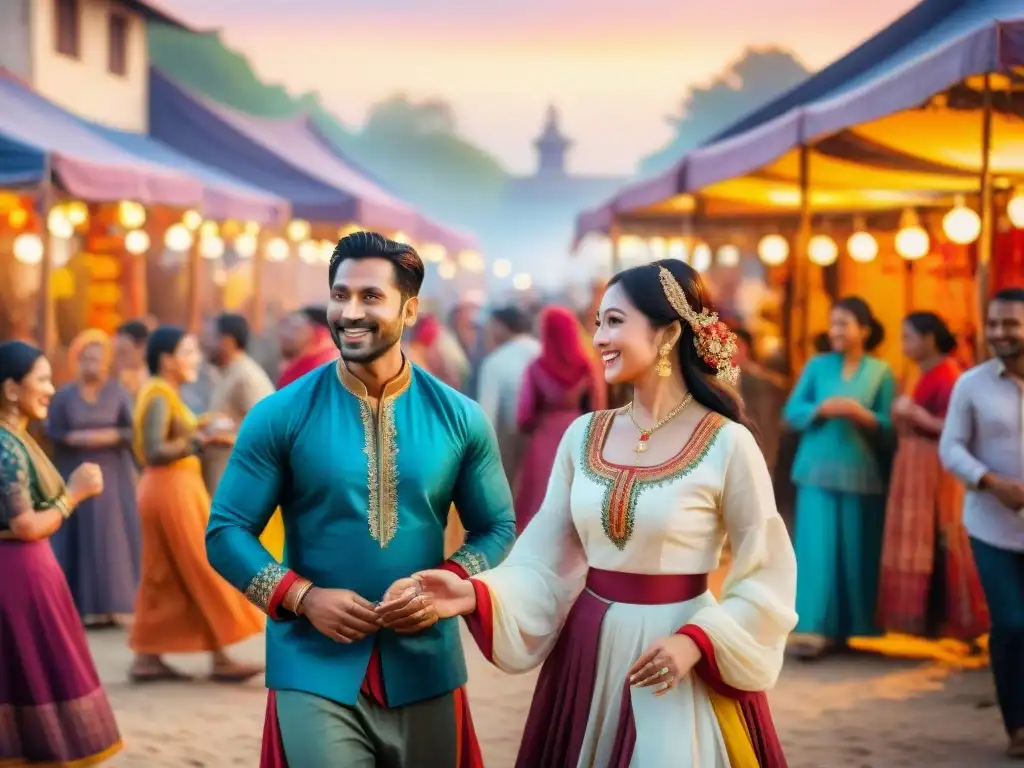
[
  {"x": 836, "y": 454},
  {"x": 364, "y": 497}
]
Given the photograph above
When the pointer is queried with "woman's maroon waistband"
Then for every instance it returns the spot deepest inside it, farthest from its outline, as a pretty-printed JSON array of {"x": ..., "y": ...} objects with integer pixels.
[{"x": 646, "y": 588}]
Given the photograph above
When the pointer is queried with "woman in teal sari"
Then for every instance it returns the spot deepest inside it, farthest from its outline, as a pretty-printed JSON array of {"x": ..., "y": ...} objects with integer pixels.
[{"x": 841, "y": 407}]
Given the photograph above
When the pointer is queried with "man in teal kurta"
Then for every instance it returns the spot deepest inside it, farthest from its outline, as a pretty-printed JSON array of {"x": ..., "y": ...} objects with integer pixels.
[{"x": 365, "y": 458}]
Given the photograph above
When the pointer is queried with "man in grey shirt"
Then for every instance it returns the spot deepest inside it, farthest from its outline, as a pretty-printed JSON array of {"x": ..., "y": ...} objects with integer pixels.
[{"x": 983, "y": 444}]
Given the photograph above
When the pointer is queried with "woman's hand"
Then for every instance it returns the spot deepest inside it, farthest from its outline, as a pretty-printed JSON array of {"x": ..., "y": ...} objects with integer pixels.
[
  {"x": 447, "y": 593},
  {"x": 665, "y": 663},
  {"x": 406, "y": 609},
  {"x": 85, "y": 482}
]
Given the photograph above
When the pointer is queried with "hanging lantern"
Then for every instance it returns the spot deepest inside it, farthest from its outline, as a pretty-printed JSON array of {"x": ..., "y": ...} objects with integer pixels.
[
  {"x": 862, "y": 247},
  {"x": 822, "y": 250},
  {"x": 136, "y": 242},
  {"x": 278, "y": 249},
  {"x": 308, "y": 252},
  {"x": 130, "y": 215},
  {"x": 297, "y": 230},
  {"x": 912, "y": 241},
  {"x": 728, "y": 256},
  {"x": 211, "y": 247},
  {"x": 962, "y": 225},
  {"x": 178, "y": 238},
  {"x": 58, "y": 224},
  {"x": 773, "y": 250},
  {"x": 244, "y": 246},
  {"x": 192, "y": 220},
  {"x": 701, "y": 260},
  {"x": 1015, "y": 209},
  {"x": 28, "y": 248}
]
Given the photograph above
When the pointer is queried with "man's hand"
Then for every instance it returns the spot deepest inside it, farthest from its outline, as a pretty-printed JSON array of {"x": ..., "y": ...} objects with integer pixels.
[
  {"x": 340, "y": 614},
  {"x": 1010, "y": 493},
  {"x": 406, "y": 609}
]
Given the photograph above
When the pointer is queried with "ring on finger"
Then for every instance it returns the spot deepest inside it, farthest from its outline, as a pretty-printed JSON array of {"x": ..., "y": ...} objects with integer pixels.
[{"x": 663, "y": 672}]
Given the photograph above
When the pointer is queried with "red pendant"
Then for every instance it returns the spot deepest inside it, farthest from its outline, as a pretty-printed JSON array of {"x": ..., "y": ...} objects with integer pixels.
[{"x": 644, "y": 438}]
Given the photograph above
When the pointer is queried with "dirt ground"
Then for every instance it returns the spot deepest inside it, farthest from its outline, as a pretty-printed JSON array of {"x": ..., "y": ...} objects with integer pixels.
[{"x": 862, "y": 711}]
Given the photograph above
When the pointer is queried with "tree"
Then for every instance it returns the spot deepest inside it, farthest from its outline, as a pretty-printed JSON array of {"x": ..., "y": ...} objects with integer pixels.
[{"x": 750, "y": 81}]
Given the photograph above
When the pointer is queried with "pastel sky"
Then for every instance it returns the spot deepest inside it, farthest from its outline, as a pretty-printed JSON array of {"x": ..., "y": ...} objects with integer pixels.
[{"x": 615, "y": 68}]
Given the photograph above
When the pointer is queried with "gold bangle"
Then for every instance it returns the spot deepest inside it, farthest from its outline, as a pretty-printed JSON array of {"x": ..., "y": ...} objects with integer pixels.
[
  {"x": 62, "y": 503},
  {"x": 300, "y": 596}
]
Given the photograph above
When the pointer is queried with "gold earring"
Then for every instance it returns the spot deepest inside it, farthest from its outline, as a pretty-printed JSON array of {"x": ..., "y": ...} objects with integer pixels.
[{"x": 664, "y": 367}]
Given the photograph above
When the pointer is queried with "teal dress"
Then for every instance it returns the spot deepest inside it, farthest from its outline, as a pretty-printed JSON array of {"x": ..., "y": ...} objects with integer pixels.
[
  {"x": 364, "y": 496},
  {"x": 840, "y": 473}
]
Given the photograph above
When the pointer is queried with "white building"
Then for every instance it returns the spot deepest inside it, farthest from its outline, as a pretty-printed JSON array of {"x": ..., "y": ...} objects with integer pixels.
[{"x": 88, "y": 56}]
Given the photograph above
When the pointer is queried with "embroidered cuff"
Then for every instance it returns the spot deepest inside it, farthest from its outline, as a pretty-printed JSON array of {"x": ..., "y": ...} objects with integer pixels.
[
  {"x": 268, "y": 588},
  {"x": 472, "y": 562}
]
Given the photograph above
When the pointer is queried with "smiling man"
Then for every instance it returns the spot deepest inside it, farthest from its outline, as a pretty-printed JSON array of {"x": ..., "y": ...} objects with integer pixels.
[{"x": 364, "y": 457}]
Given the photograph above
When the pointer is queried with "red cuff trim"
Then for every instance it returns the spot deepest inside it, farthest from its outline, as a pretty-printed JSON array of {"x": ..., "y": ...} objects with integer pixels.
[
  {"x": 481, "y": 621},
  {"x": 707, "y": 667},
  {"x": 274, "y": 606},
  {"x": 458, "y": 570}
]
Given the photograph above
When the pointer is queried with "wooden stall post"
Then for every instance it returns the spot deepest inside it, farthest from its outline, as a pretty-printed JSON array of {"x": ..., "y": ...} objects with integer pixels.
[
  {"x": 195, "y": 287},
  {"x": 615, "y": 234},
  {"x": 987, "y": 235},
  {"x": 257, "y": 310},
  {"x": 47, "y": 322},
  {"x": 802, "y": 267}
]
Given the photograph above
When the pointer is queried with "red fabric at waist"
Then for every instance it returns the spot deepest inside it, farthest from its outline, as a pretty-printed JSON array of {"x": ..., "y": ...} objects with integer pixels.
[{"x": 646, "y": 588}]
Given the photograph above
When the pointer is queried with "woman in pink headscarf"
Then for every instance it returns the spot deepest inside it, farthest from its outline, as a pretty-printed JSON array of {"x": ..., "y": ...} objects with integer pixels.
[{"x": 559, "y": 386}]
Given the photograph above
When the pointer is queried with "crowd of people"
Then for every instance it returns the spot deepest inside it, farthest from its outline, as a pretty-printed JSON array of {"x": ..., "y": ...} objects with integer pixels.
[{"x": 160, "y": 487}]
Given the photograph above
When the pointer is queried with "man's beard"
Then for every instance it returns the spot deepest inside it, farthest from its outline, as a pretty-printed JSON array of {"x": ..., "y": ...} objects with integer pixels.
[
  {"x": 1011, "y": 350},
  {"x": 381, "y": 338}
]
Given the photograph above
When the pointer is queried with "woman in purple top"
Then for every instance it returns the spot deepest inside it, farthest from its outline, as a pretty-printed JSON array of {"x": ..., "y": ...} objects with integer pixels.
[
  {"x": 90, "y": 422},
  {"x": 559, "y": 386}
]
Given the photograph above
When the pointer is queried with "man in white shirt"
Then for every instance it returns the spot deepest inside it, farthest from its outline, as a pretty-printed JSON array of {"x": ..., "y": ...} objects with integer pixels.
[
  {"x": 983, "y": 444},
  {"x": 501, "y": 379}
]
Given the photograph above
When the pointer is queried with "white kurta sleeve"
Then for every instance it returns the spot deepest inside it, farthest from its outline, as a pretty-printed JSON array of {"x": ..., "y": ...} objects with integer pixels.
[
  {"x": 749, "y": 627},
  {"x": 533, "y": 590}
]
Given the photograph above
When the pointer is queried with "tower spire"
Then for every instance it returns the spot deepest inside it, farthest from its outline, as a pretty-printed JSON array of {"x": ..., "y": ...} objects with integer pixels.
[{"x": 552, "y": 146}]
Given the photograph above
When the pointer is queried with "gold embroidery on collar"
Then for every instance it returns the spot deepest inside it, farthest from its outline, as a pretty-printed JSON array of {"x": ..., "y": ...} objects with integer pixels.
[{"x": 380, "y": 444}]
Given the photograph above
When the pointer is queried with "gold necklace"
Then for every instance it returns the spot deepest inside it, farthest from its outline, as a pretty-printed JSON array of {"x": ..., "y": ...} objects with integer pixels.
[{"x": 645, "y": 434}]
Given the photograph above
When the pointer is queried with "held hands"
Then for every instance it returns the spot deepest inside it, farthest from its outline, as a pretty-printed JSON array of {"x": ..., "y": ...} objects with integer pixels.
[
  {"x": 417, "y": 603},
  {"x": 664, "y": 664},
  {"x": 340, "y": 614},
  {"x": 85, "y": 482},
  {"x": 840, "y": 408}
]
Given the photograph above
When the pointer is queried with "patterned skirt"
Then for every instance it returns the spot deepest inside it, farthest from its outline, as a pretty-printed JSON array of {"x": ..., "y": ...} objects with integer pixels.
[
  {"x": 929, "y": 584},
  {"x": 53, "y": 710}
]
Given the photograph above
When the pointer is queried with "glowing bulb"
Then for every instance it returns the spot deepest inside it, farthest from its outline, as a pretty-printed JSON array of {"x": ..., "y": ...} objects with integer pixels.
[
  {"x": 522, "y": 281},
  {"x": 208, "y": 229},
  {"x": 701, "y": 258},
  {"x": 28, "y": 248},
  {"x": 136, "y": 242},
  {"x": 326, "y": 251},
  {"x": 401, "y": 237},
  {"x": 773, "y": 250},
  {"x": 502, "y": 268},
  {"x": 862, "y": 247},
  {"x": 130, "y": 215},
  {"x": 677, "y": 249},
  {"x": 446, "y": 270},
  {"x": 297, "y": 229},
  {"x": 192, "y": 220},
  {"x": 59, "y": 225},
  {"x": 245, "y": 246},
  {"x": 912, "y": 243},
  {"x": 962, "y": 225},
  {"x": 658, "y": 247},
  {"x": 178, "y": 238},
  {"x": 211, "y": 247},
  {"x": 1015, "y": 209},
  {"x": 278, "y": 249},
  {"x": 308, "y": 251},
  {"x": 728, "y": 256},
  {"x": 78, "y": 213},
  {"x": 822, "y": 250}
]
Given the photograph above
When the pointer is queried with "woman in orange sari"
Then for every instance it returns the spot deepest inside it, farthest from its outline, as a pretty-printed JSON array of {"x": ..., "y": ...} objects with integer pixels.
[
  {"x": 183, "y": 605},
  {"x": 929, "y": 585}
]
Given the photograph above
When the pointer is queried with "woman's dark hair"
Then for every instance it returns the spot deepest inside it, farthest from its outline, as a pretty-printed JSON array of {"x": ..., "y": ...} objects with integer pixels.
[
  {"x": 17, "y": 358},
  {"x": 163, "y": 341},
  {"x": 865, "y": 318},
  {"x": 135, "y": 330},
  {"x": 930, "y": 324},
  {"x": 643, "y": 287}
]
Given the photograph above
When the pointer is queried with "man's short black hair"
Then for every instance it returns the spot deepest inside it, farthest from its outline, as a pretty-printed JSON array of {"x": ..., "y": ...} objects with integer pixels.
[
  {"x": 315, "y": 315},
  {"x": 136, "y": 330},
  {"x": 1015, "y": 295},
  {"x": 513, "y": 318},
  {"x": 408, "y": 265},
  {"x": 235, "y": 327}
]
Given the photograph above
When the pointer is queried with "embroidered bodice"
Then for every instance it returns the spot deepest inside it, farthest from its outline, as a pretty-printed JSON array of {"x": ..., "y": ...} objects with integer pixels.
[{"x": 652, "y": 519}]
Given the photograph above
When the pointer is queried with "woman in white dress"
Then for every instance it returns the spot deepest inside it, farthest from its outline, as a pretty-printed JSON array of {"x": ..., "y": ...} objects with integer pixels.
[{"x": 607, "y": 587}]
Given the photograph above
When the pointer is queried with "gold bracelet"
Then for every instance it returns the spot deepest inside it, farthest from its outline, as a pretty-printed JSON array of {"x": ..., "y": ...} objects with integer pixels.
[
  {"x": 63, "y": 505},
  {"x": 300, "y": 596}
]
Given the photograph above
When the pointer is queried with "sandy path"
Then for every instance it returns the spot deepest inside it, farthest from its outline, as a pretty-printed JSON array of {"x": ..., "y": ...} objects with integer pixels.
[{"x": 859, "y": 711}]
